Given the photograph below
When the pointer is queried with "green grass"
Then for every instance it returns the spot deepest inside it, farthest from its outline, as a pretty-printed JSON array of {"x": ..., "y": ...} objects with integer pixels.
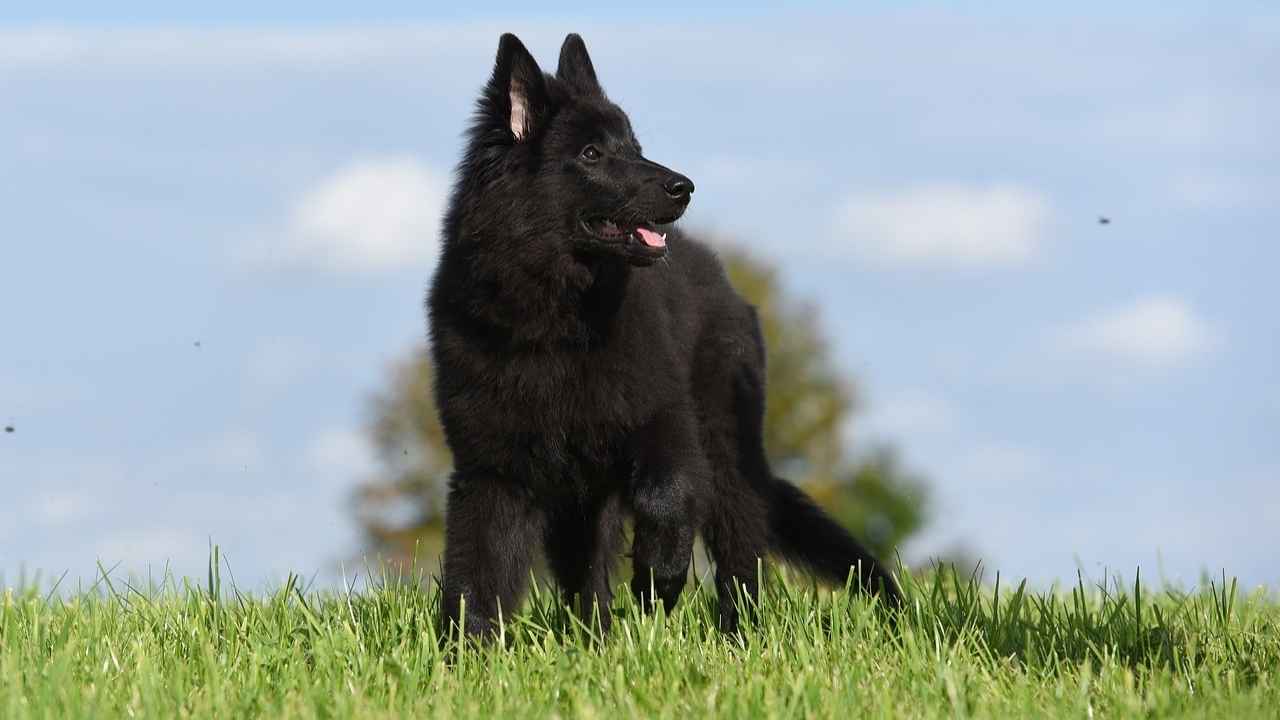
[{"x": 960, "y": 650}]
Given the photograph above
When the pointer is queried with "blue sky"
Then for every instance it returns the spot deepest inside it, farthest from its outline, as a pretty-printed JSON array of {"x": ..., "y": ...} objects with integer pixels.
[
  {"x": 293, "y": 12},
  {"x": 268, "y": 185}
]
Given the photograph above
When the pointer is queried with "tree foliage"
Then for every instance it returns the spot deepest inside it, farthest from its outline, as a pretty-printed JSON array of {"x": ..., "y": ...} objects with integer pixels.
[{"x": 807, "y": 416}]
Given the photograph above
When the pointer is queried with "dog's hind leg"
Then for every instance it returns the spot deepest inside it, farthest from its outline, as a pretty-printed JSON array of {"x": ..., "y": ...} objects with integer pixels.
[
  {"x": 738, "y": 540},
  {"x": 737, "y": 525},
  {"x": 582, "y": 544},
  {"x": 491, "y": 530}
]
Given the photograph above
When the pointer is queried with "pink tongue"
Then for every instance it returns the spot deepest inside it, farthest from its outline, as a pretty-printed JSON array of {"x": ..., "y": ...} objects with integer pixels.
[{"x": 651, "y": 238}]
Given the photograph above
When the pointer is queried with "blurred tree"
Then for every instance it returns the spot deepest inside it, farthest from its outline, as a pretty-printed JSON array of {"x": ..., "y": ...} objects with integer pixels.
[
  {"x": 806, "y": 420},
  {"x": 401, "y": 510},
  {"x": 880, "y": 502},
  {"x": 808, "y": 415}
]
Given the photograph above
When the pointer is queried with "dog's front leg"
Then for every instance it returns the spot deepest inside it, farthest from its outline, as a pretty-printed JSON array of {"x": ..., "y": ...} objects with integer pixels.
[
  {"x": 491, "y": 530},
  {"x": 669, "y": 474}
]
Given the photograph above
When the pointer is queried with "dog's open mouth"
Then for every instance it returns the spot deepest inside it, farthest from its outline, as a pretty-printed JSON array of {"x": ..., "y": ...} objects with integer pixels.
[{"x": 609, "y": 231}]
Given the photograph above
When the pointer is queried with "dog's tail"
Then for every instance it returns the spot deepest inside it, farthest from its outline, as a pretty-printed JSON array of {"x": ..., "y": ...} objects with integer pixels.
[{"x": 803, "y": 534}]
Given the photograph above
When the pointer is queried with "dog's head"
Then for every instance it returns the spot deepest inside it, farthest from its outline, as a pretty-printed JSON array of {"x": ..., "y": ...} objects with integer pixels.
[{"x": 557, "y": 161}]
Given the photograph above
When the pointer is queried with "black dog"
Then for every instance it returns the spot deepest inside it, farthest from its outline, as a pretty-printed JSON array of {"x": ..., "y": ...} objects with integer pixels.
[{"x": 579, "y": 379}]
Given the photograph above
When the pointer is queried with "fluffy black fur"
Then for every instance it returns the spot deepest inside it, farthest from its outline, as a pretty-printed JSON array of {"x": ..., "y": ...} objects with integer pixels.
[{"x": 581, "y": 380}]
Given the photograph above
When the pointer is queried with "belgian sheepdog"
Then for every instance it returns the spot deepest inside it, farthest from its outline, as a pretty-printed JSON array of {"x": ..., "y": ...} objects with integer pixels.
[{"x": 592, "y": 363}]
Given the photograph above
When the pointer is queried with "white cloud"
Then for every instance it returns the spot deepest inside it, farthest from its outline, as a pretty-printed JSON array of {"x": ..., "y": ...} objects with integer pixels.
[
  {"x": 1157, "y": 331},
  {"x": 235, "y": 449},
  {"x": 904, "y": 415},
  {"x": 1215, "y": 191},
  {"x": 341, "y": 456},
  {"x": 59, "y": 508},
  {"x": 369, "y": 216},
  {"x": 945, "y": 225},
  {"x": 342, "y": 46},
  {"x": 997, "y": 464},
  {"x": 1199, "y": 120},
  {"x": 138, "y": 548},
  {"x": 279, "y": 361}
]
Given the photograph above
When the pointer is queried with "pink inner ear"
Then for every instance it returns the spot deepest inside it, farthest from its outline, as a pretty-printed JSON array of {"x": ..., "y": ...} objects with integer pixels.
[{"x": 519, "y": 110}]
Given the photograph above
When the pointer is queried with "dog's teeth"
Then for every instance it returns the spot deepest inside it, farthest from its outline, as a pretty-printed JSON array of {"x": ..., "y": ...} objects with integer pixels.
[{"x": 664, "y": 237}]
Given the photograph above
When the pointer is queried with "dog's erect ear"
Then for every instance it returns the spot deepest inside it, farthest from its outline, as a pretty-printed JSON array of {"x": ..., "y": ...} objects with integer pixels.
[
  {"x": 517, "y": 92},
  {"x": 575, "y": 66}
]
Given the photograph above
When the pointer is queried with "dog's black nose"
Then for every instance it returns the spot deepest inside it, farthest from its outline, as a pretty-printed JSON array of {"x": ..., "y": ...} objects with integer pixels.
[{"x": 678, "y": 186}]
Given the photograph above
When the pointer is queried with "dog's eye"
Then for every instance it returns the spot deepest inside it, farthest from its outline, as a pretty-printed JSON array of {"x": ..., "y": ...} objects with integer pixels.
[{"x": 591, "y": 153}]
